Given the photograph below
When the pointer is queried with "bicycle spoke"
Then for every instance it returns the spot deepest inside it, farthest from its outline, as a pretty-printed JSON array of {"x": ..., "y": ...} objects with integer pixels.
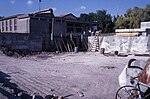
[
  {"x": 146, "y": 96},
  {"x": 127, "y": 92}
]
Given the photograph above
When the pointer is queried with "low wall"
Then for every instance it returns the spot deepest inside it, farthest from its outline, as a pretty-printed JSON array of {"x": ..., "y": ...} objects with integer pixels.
[
  {"x": 122, "y": 44},
  {"x": 42, "y": 42},
  {"x": 21, "y": 41}
]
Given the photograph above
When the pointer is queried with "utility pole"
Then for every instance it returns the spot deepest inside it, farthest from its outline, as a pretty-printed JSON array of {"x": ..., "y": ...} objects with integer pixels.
[
  {"x": 117, "y": 7},
  {"x": 40, "y": 5}
]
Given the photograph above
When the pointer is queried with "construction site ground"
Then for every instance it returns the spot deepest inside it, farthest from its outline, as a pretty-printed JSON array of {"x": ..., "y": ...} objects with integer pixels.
[{"x": 88, "y": 75}]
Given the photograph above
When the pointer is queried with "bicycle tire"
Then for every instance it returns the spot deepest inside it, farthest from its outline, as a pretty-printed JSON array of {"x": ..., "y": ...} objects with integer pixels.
[{"x": 127, "y": 92}]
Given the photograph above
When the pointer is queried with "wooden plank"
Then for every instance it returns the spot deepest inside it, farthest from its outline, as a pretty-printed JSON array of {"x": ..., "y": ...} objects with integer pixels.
[
  {"x": 64, "y": 45},
  {"x": 56, "y": 45},
  {"x": 60, "y": 46}
]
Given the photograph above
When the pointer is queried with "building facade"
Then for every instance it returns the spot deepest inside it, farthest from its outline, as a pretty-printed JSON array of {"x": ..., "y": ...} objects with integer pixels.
[{"x": 51, "y": 28}]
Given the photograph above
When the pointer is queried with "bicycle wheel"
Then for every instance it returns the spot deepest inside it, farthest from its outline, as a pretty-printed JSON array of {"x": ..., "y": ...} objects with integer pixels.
[{"x": 127, "y": 92}]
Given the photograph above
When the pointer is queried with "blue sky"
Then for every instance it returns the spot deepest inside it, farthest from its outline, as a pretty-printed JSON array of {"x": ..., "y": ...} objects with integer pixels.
[{"x": 12, "y": 7}]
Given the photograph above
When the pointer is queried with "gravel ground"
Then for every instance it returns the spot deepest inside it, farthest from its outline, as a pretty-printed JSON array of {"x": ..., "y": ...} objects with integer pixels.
[{"x": 78, "y": 76}]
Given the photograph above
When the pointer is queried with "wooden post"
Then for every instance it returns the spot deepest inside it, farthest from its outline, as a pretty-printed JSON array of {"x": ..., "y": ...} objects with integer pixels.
[
  {"x": 68, "y": 46},
  {"x": 60, "y": 46},
  {"x": 56, "y": 46},
  {"x": 64, "y": 44},
  {"x": 52, "y": 32}
]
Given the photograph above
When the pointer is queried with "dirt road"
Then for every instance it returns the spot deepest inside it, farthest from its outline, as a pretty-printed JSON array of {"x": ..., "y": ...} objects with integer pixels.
[{"x": 78, "y": 76}]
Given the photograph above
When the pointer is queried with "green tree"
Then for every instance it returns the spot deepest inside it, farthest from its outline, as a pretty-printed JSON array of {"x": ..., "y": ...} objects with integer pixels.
[
  {"x": 92, "y": 17},
  {"x": 102, "y": 17},
  {"x": 84, "y": 17},
  {"x": 119, "y": 23},
  {"x": 133, "y": 17},
  {"x": 147, "y": 13},
  {"x": 105, "y": 21},
  {"x": 114, "y": 22}
]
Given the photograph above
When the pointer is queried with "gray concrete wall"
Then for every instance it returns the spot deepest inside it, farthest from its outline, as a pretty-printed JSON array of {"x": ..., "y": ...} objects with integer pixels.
[
  {"x": 59, "y": 29},
  {"x": 34, "y": 42},
  {"x": 39, "y": 26},
  {"x": 21, "y": 41}
]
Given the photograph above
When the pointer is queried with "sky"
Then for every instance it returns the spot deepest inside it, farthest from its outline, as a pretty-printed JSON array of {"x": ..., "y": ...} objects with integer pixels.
[{"x": 76, "y": 7}]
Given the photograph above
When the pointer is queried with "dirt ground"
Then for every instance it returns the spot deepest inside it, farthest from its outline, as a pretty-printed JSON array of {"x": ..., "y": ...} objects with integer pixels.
[{"x": 74, "y": 75}]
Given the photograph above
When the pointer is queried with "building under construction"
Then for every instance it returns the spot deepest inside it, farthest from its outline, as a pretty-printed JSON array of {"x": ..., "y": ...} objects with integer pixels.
[{"x": 42, "y": 31}]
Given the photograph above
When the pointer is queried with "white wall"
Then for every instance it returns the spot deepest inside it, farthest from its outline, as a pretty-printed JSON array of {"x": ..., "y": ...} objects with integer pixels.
[
  {"x": 145, "y": 25},
  {"x": 23, "y": 25},
  {"x": 123, "y": 44}
]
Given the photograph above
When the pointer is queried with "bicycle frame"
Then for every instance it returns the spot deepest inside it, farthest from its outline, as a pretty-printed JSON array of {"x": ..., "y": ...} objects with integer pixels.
[{"x": 139, "y": 84}]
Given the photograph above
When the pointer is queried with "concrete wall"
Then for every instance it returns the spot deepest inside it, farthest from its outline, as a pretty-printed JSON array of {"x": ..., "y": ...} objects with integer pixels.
[
  {"x": 21, "y": 41},
  {"x": 59, "y": 28},
  {"x": 122, "y": 44},
  {"x": 39, "y": 26},
  {"x": 41, "y": 42},
  {"x": 145, "y": 25}
]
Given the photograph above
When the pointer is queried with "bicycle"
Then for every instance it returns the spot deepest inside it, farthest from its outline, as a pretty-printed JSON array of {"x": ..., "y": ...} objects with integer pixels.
[
  {"x": 132, "y": 92},
  {"x": 135, "y": 90}
]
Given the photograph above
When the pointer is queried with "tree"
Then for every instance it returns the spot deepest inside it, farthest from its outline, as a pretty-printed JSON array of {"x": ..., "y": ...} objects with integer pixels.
[
  {"x": 92, "y": 17},
  {"x": 119, "y": 22},
  {"x": 84, "y": 17},
  {"x": 133, "y": 17},
  {"x": 147, "y": 12},
  {"x": 114, "y": 21},
  {"x": 105, "y": 21},
  {"x": 102, "y": 17}
]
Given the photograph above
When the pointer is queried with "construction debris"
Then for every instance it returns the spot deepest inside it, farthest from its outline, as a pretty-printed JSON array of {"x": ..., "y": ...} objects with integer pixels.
[{"x": 81, "y": 94}]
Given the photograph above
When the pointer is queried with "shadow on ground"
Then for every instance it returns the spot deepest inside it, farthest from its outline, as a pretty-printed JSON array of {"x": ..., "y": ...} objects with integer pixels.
[{"x": 8, "y": 90}]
